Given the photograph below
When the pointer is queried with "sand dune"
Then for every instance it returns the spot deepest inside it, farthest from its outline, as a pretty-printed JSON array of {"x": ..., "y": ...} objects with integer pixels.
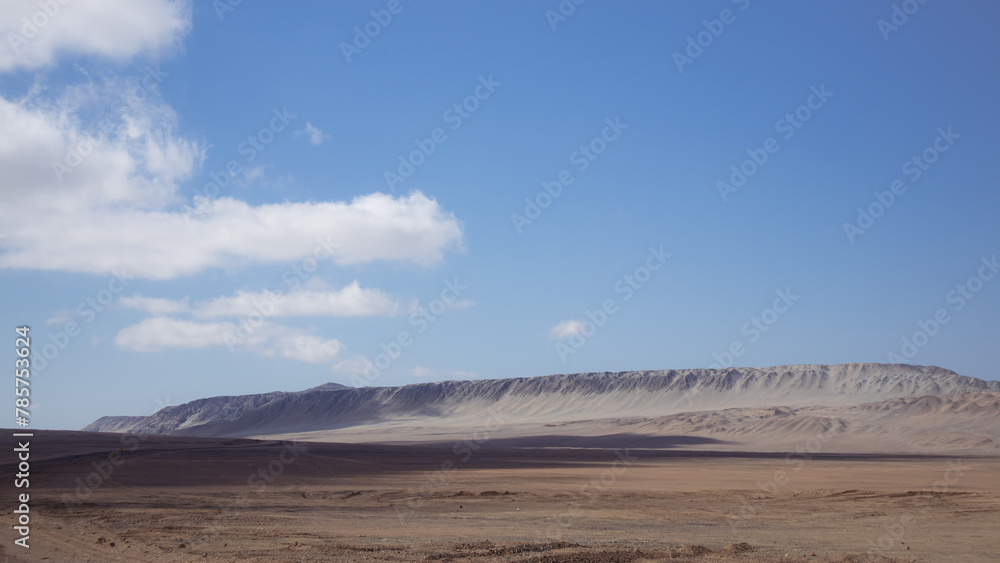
[
  {"x": 967, "y": 424},
  {"x": 926, "y": 423}
]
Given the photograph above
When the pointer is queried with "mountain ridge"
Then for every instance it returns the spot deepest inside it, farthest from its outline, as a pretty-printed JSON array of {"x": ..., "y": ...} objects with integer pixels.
[{"x": 548, "y": 399}]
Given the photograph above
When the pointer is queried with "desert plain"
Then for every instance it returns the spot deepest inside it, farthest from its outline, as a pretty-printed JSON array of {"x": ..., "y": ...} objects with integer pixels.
[
  {"x": 847, "y": 463},
  {"x": 197, "y": 499}
]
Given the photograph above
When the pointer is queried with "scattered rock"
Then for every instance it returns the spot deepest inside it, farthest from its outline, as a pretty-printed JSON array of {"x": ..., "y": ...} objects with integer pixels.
[{"x": 742, "y": 547}]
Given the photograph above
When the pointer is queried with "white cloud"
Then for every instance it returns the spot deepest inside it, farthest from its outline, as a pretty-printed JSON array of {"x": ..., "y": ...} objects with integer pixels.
[
  {"x": 315, "y": 135},
  {"x": 350, "y": 301},
  {"x": 460, "y": 304},
  {"x": 267, "y": 339},
  {"x": 157, "y": 333},
  {"x": 304, "y": 347},
  {"x": 97, "y": 168},
  {"x": 134, "y": 158},
  {"x": 566, "y": 329},
  {"x": 249, "y": 174},
  {"x": 353, "y": 366},
  {"x": 36, "y": 33},
  {"x": 112, "y": 211},
  {"x": 59, "y": 319},
  {"x": 154, "y": 305}
]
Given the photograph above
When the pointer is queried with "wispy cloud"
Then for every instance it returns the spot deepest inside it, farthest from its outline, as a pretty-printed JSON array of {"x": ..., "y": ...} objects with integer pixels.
[
  {"x": 267, "y": 339},
  {"x": 350, "y": 301},
  {"x": 354, "y": 365},
  {"x": 154, "y": 305},
  {"x": 59, "y": 319},
  {"x": 314, "y": 135},
  {"x": 415, "y": 305},
  {"x": 426, "y": 373},
  {"x": 566, "y": 329}
]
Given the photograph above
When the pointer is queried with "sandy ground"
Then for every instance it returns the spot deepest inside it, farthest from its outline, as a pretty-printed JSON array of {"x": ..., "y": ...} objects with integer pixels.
[{"x": 193, "y": 499}]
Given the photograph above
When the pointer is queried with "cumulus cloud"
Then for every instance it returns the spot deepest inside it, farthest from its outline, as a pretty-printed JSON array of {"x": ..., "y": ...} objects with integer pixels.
[
  {"x": 267, "y": 339},
  {"x": 56, "y": 162},
  {"x": 314, "y": 135},
  {"x": 97, "y": 169},
  {"x": 36, "y": 33},
  {"x": 154, "y": 305},
  {"x": 112, "y": 210},
  {"x": 566, "y": 329}
]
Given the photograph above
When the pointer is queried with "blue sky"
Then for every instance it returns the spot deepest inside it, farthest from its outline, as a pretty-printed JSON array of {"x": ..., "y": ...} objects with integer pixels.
[{"x": 450, "y": 266}]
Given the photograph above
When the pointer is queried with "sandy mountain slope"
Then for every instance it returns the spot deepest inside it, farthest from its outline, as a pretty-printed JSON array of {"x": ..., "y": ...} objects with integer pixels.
[
  {"x": 770, "y": 405},
  {"x": 942, "y": 423}
]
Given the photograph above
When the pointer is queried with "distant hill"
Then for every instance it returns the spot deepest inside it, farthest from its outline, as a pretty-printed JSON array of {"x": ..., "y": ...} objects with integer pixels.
[{"x": 556, "y": 400}]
